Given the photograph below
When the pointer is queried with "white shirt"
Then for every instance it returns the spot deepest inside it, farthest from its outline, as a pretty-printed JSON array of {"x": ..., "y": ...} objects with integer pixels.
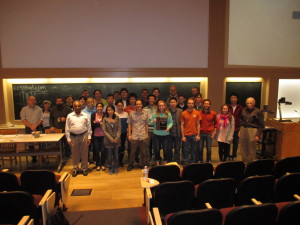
[{"x": 78, "y": 124}]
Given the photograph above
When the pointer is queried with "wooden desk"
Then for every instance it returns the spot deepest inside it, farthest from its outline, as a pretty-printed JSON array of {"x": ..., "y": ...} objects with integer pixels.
[
  {"x": 28, "y": 138},
  {"x": 287, "y": 138}
]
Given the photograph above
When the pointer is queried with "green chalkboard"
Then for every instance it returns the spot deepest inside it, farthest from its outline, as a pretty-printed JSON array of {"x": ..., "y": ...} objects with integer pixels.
[
  {"x": 244, "y": 90},
  {"x": 51, "y": 91}
]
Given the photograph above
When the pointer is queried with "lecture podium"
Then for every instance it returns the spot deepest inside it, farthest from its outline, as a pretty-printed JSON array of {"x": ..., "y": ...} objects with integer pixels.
[{"x": 287, "y": 138}]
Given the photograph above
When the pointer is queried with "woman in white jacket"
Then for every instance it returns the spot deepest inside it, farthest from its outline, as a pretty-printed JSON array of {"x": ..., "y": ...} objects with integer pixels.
[{"x": 224, "y": 133}]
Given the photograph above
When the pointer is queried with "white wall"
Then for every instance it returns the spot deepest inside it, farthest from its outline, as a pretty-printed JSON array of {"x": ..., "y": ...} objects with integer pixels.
[
  {"x": 104, "y": 33},
  {"x": 263, "y": 33}
]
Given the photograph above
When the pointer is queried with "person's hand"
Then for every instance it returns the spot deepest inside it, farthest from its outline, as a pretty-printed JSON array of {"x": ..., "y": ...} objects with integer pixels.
[
  {"x": 154, "y": 121},
  {"x": 239, "y": 134},
  {"x": 70, "y": 143},
  {"x": 213, "y": 135},
  {"x": 62, "y": 119},
  {"x": 130, "y": 137},
  {"x": 32, "y": 127},
  {"x": 89, "y": 141},
  {"x": 197, "y": 138},
  {"x": 167, "y": 129},
  {"x": 183, "y": 138},
  {"x": 256, "y": 138},
  {"x": 52, "y": 129}
]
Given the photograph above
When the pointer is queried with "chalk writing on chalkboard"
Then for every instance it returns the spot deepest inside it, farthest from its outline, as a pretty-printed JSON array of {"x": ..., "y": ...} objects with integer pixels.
[{"x": 51, "y": 91}]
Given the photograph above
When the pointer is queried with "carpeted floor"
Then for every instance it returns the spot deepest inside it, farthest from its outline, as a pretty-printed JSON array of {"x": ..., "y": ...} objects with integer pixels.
[{"x": 127, "y": 216}]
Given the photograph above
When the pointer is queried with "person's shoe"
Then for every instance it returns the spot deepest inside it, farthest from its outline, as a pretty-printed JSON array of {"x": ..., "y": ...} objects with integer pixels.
[
  {"x": 103, "y": 168},
  {"x": 116, "y": 172},
  {"x": 129, "y": 168},
  {"x": 98, "y": 168},
  {"x": 74, "y": 173},
  {"x": 111, "y": 172},
  {"x": 85, "y": 173}
]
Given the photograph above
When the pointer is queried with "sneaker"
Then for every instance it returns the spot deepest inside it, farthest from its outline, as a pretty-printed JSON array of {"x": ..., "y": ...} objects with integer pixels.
[
  {"x": 116, "y": 172},
  {"x": 98, "y": 168},
  {"x": 103, "y": 168},
  {"x": 129, "y": 168},
  {"x": 74, "y": 173},
  {"x": 85, "y": 173},
  {"x": 111, "y": 172}
]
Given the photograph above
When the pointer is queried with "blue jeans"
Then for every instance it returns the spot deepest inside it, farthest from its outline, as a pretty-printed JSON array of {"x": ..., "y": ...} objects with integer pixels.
[
  {"x": 98, "y": 149},
  {"x": 205, "y": 138},
  {"x": 113, "y": 159},
  {"x": 161, "y": 142},
  {"x": 174, "y": 142},
  {"x": 189, "y": 147}
]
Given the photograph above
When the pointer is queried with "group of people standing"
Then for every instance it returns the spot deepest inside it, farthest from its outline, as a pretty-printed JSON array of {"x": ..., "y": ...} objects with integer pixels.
[{"x": 145, "y": 126}]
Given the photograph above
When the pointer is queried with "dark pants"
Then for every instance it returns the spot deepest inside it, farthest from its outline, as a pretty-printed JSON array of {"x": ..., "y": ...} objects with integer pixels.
[
  {"x": 99, "y": 151},
  {"x": 141, "y": 144},
  {"x": 224, "y": 149},
  {"x": 205, "y": 138},
  {"x": 235, "y": 143},
  {"x": 122, "y": 148},
  {"x": 162, "y": 142},
  {"x": 174, "y": 143},
  {"x": 189, "y": 147}
]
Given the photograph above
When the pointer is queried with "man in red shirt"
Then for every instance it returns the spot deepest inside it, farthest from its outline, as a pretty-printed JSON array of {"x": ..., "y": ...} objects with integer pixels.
[
  {"x": 190, "y": 129},
  {"x": 208, "y": 125}
]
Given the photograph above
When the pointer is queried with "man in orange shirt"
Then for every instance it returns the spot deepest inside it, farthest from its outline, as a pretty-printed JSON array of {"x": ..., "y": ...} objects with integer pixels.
[
  {"x": 208, "y": 128},
  {"x": 190, "y": 129},
  {"x": 131, "y": 107}
]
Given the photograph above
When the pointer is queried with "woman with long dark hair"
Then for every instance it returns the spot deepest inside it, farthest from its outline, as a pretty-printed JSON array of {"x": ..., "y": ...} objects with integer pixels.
[
  {"x": 99, "y": 154},
  {"x": 112, "y": 140},
  {"x": 224, "y": 133}
]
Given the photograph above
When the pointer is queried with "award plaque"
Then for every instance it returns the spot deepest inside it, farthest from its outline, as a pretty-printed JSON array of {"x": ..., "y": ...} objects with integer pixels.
[{"x": 161, "y": 123}]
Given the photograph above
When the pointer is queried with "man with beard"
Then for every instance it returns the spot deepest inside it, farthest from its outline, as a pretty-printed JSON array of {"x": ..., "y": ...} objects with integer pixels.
[{"x": 58, "y": 115}]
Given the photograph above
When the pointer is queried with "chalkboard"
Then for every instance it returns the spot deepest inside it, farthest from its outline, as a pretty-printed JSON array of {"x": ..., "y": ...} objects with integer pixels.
[
  {"x": 244, "y": 91},
  {"x": 51, "y": 91}
]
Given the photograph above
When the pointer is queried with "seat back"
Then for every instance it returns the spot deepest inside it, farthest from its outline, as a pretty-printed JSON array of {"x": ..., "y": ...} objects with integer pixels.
[
  {"x": 172, "y": 197},
  {"x": 264, "y": 214},
  {"x": 286, "y": 187},
  {"x": 287, "y": 165},
  {"x": 203, "y": 217},
  {"x": 289, "y": 214},
  {"x": 9, "y": 182},
  {"x": 258, "y": 187},
  {"x": 230, "y": 169},
  {"x": 260, "y": 167},
  {"x": 37, "y": 182},
  {"x": 165, "y": 173},
  {"x": 220, "y": 193},
  {"x": 14, "y": 205},
  {"x": 198, "y": 172}
]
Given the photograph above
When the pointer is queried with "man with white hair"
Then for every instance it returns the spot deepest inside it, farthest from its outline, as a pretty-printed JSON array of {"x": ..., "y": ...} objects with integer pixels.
[{"x": 252, "y": 124}]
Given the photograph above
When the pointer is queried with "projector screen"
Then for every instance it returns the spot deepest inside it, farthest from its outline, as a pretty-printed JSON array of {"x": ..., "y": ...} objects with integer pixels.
[
  {"x": 104, "y": 33},
  {"x": 264, "y": 33}
]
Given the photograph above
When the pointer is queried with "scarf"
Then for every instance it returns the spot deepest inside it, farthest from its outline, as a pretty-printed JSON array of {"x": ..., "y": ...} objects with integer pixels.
[{"x": 225, "y": 119}]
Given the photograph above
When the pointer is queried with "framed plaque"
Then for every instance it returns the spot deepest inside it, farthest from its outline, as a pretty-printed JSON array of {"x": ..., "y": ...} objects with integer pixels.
[{"x": 161, "y": 123}]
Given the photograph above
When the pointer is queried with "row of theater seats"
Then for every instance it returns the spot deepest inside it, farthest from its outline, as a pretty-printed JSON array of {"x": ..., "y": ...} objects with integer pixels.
[
  {"x": 222, "y": 192},
  {"x": 34, "y": 194},
  {"x": 284, "y": 213},
  {"x": 229, "y": 184},
  {"x": 199, "y": 172}
]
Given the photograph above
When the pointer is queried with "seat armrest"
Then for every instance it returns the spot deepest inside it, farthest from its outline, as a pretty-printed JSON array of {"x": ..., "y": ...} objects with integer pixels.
[
  {"x": 65, "y": 174},
  {"x": 208, "y": 205},
  {"x": 157, "y": 217},
  {"x": 296, "y": 196},
  {"x": 255, "y": 201},
  {"x": 45, "y": 197}
]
